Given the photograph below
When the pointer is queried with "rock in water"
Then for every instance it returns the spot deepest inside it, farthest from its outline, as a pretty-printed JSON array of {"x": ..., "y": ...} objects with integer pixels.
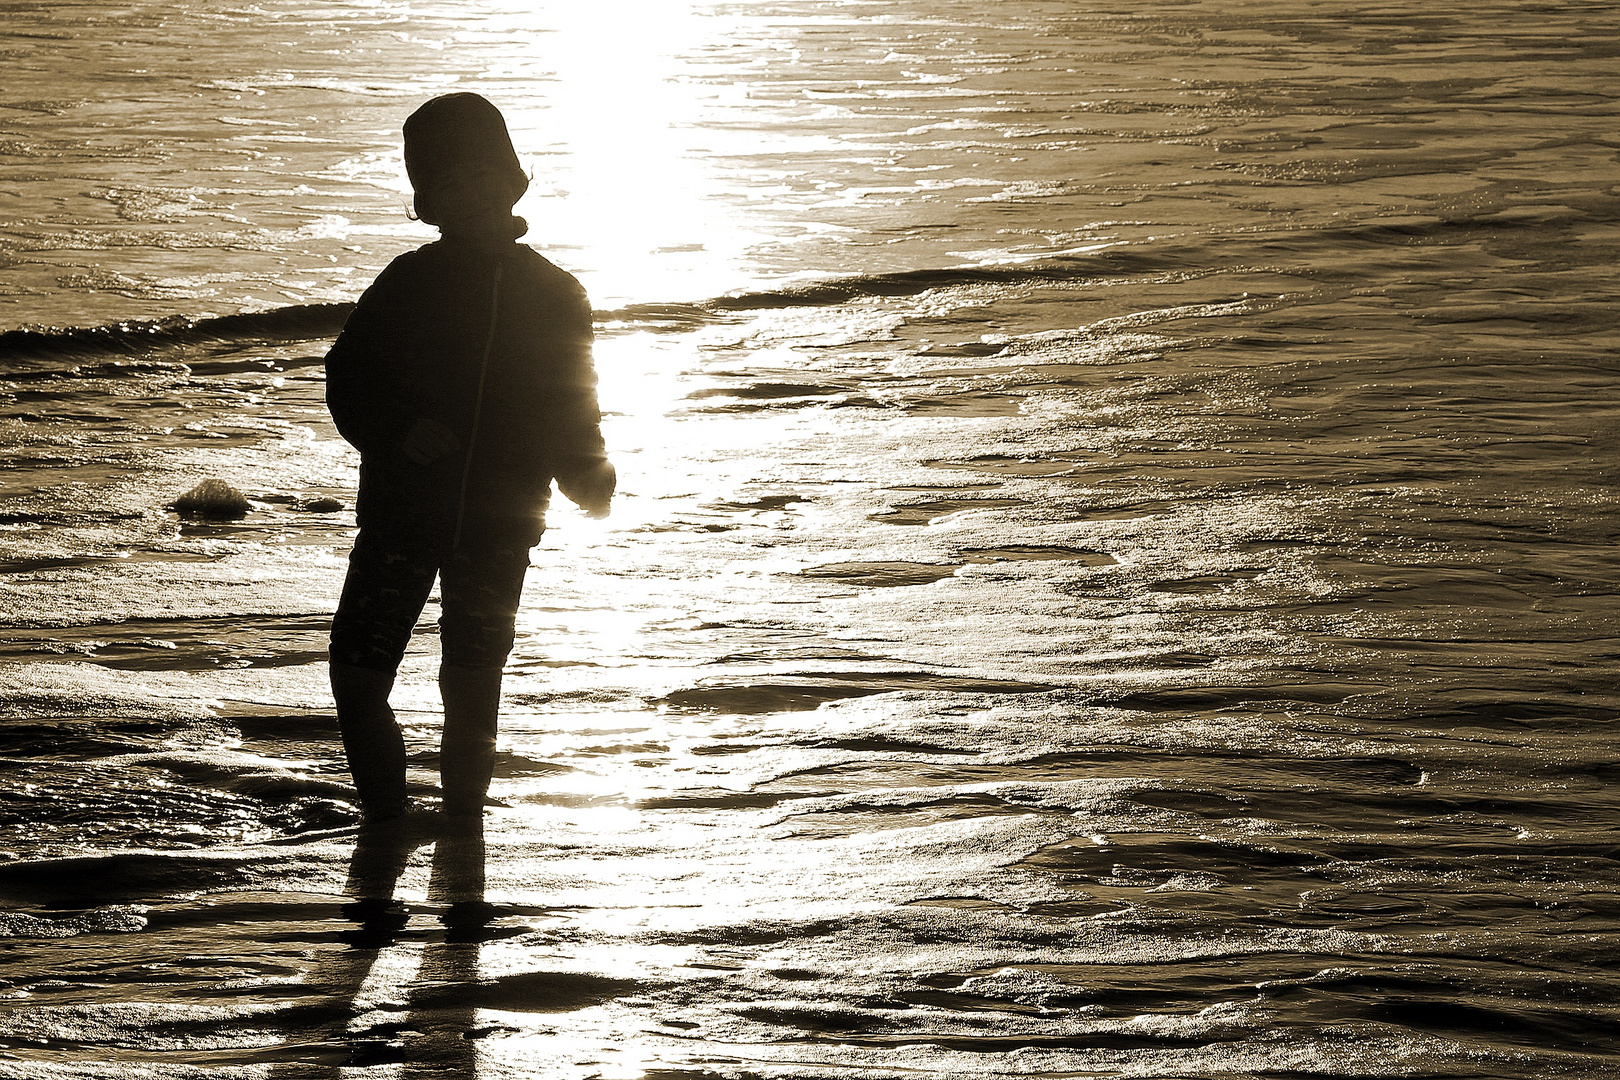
[{"x": 212, "y": 499}]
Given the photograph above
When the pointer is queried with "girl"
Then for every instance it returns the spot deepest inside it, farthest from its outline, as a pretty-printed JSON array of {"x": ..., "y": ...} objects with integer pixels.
[{"x": 464, "y": 378}]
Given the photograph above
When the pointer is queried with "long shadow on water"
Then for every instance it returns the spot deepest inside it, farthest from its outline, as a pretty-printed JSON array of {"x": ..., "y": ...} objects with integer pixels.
[{"x": 378, "y": 1010}]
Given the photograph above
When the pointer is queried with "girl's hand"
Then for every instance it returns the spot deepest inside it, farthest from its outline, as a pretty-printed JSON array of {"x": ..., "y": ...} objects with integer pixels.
[{"x": 592, "y": 489}]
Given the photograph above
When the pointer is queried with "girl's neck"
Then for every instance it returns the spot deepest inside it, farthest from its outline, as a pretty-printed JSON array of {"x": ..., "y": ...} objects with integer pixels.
[{"x": 486, "y": 233}]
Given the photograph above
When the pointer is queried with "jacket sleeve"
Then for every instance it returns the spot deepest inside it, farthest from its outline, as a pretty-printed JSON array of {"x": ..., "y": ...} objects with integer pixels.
[
  {"x": 574, "y": 433},
  {"x": 364, "y": 387}
]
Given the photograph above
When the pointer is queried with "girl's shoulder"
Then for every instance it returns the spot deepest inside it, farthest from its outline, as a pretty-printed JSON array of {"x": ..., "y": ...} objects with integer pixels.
[
  {"x": 531, "y": 261},
  {"x": 540, "y": 275}
]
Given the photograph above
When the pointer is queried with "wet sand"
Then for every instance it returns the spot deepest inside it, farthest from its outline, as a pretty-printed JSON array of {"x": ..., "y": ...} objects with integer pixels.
[
  {"x": 1114, "y": 576},
  {"x": 889, "y": 726}
]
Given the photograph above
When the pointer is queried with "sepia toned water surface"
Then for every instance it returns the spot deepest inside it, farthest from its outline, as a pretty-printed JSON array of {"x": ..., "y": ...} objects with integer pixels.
[{"x": 1114, "y": 571}]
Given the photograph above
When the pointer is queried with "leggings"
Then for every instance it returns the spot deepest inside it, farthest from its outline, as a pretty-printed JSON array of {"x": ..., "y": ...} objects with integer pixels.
[{"x": 389, "y": 579}]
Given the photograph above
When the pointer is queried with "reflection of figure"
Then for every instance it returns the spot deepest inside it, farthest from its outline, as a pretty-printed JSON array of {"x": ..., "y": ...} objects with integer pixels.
[
  {"x": 444, "y": 1000},
  {"x": 464, "y": 378},
  {"x": 380, "y": 857},
  {"x": 425, "y": 1022},
  {"x": 351, "y": 1026},
  {"x": 457, "y": 882}
]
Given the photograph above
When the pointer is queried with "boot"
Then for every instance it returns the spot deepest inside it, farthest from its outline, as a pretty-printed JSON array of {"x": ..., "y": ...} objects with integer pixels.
[
  {"x": 472, "y": 704},
  {"x": 371, "y": 739}
]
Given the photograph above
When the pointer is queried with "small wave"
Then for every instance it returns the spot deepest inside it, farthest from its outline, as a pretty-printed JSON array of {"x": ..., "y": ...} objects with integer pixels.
[
  {"x": 126, "y": 876},
  {"x": 296, "y": 323},
  {"x": 911, "y": 282},
  {"x": 666, "y": 317},
  {"x": 16, "y": 924},
  {"x": 310, "y": 321},
  {"x": 811, "y": 690}
]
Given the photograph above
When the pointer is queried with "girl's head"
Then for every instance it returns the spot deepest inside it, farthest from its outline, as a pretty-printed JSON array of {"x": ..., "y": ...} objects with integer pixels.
[{"x": 463, "y": 168}]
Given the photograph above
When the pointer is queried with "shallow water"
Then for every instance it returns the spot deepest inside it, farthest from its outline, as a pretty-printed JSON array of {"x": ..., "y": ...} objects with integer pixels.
[{"x": 1113, "y": 574}]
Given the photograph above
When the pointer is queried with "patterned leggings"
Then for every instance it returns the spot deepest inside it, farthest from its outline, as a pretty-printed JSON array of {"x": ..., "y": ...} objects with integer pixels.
[{"x": 389, "y": 580}]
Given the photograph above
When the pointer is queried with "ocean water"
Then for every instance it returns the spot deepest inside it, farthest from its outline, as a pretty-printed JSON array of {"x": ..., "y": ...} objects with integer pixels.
[{"x": 1114, "y": 573}]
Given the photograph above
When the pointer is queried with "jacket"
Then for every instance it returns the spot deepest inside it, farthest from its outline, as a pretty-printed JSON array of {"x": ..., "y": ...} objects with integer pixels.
[{"x": 415, "y": 347}]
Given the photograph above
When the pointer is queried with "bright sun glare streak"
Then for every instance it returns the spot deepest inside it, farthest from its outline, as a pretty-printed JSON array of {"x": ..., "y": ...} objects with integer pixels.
[{"x": 611, "y": 122}]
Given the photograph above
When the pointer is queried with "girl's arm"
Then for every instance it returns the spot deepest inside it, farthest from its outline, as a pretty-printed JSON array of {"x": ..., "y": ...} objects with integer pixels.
[{"x": 362, "y": 371}]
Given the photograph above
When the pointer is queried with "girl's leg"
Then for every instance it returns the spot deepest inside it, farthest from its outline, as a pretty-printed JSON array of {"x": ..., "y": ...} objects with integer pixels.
[
  {"x": 472, "y": 706},
  {"x": 480, "y": 588},
  {"x": 382, "y": 598},
  {"x": 372, "y": 741}
]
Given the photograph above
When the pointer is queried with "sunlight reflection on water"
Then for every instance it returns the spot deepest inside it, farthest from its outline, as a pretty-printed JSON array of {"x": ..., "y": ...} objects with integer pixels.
[{"x": 1190, "y": 654}]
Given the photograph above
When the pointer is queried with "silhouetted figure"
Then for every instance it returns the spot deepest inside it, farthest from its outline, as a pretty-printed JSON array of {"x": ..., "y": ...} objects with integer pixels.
[{"x": 464, "y": 378}]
